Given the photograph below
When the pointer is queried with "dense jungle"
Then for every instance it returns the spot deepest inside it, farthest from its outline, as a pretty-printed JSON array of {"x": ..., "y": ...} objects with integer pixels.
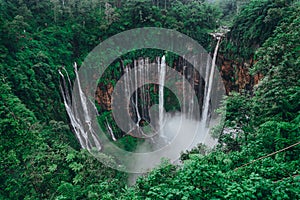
[{"x": 257, "y": 154}]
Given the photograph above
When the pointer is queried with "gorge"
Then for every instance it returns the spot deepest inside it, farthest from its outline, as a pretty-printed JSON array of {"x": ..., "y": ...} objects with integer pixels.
[
  {"x": 63, "y": 137},
  {"x": 142, "y": 110}
]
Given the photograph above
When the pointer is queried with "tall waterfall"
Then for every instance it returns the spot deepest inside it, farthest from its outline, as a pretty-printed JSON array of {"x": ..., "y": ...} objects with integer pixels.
[
  {"x": 203, "y": 135},
  {"x": 162, "y": 76},
  {"x": 209, "y": 83},
  {"x": 137, "y": 78},
  {"x": 135, "y": 87},
  {"x": 78, "y": 112},
  {"x": 110, "y": 131}
]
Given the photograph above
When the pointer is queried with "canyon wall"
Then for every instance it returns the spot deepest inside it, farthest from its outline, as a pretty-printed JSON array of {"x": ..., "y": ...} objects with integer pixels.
[{"x": 236, "y": 75}]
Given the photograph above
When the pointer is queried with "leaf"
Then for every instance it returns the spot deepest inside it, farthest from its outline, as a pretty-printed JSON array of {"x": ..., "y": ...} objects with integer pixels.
[
  {"x": 70, "y": 157},
  {"x": 78, "y": 178},
  {"x": 76, "y": 166},
  {"x": 52, "y": 168}
]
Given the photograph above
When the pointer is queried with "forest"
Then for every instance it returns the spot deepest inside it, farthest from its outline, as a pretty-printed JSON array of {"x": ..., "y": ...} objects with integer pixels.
[{"x": 257, "y": 153}]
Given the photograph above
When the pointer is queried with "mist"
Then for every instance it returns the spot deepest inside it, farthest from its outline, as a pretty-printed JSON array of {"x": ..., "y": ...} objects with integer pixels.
[{"x": 177, "y": 135}]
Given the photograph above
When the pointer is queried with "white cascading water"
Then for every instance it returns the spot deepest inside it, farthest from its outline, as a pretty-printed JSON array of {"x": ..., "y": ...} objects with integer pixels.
[
  {"x": 209, "y": 82},
  {"x": 77, "y": 128},
  {"x": 203, "y": 135},
  {"x": 82, "y": 127},
  {"x": 162, "y": 76},
  {"x": 127, "y": 85},
  {"x": 94, "y": 141},
  {"x": 136, "y": 70},
  {"x": 110, "y": 131},
  {"x": 184, "y": 100}
]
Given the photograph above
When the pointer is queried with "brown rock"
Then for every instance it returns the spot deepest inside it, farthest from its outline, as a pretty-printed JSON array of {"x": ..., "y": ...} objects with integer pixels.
[{"x": 104, "y": 95}]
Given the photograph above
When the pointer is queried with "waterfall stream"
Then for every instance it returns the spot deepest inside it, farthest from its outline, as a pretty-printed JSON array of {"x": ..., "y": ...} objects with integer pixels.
[
  {"x": 162, "y": 76},
  {"x": 80, "y": 119},
  {"x": 110, "y": 131},
  {"x": 80, "y": 116},
  {"x": 137, "y": 79},
  {"x": 209, "y": 83}
]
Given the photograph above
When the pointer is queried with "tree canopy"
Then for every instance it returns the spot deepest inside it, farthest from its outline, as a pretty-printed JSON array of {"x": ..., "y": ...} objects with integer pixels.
[{"x": 41, "y": 158}]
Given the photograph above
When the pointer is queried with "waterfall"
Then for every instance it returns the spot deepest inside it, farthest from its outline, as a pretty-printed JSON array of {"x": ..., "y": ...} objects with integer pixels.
[
  {"x": 127, "y": 88},
  {"x": 183, "y": 90},
  {"x": 80, "y": 119},
  {"x": 77, "y": 128},
  {"x": 140, "y": 98},
  {"x": 162, "y": 76},
  {"x": 136, "y": 78},
  {"x": 203, "y": 134},
  {"x": 166, "y": 133},
  {"x": 84, "y": 103},
  {"x": 79, "y": 107},
  {"x": 191, "y": 79},
  {"x": 209, "y": 83},
  {"x": 110, "y": 131}
]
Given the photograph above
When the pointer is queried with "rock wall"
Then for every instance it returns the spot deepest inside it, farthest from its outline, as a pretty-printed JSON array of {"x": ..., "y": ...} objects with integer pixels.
[
  {"x": 104, "y": 92},
  {"x": 103, "y": 95},
  {"x": 236, "y": 76}
]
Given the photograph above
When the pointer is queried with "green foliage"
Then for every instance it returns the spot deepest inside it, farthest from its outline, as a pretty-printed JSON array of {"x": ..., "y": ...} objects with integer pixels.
[
  {"x": 37, "y": 37},
  {"x": 230, "y": 8},
  {"x": 253, "y": 25},
  {"x": 40, "y": 157},
  {"x": 254, "y": 126},
  {"x": 281, "y": 72}
]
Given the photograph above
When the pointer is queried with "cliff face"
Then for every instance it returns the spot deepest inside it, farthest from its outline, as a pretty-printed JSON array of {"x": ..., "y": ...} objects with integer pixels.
[
  {"x": 236, "y": 76},
  {"x": 103, "y": 95},
  {"x": 104, "y": 92}
]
